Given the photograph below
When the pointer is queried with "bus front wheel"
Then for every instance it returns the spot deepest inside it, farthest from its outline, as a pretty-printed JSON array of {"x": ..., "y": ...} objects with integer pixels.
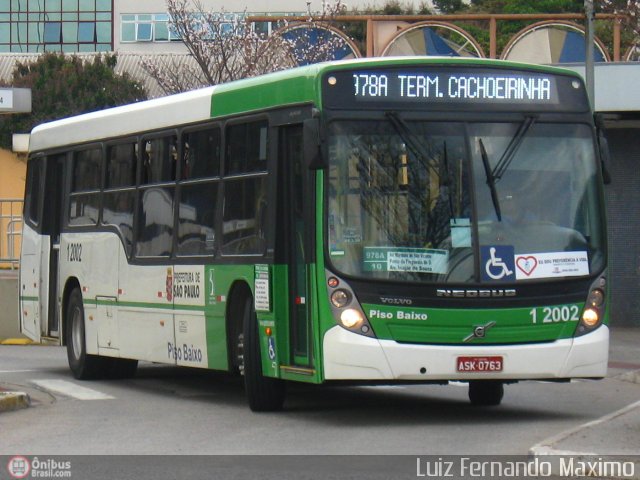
[
  {"x": 83, "y": 366},
  {"x": 264, "y": 394},
  {"x": 486, "y": 392}
]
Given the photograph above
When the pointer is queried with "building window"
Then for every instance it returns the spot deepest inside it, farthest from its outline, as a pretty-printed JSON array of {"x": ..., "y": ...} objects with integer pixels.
[
  {"x": 87, "y": 32},
  {"x": 53, "y": 32},
  {"x": 161, "y": 28},
  {"x": 146, "y": 28},
  {"x": 55, "y": 25},
  {"x": 87, "y": 5}
]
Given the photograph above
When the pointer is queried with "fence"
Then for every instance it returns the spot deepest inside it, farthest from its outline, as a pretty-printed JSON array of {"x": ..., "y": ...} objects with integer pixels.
[{"x": 10, "y": 232}]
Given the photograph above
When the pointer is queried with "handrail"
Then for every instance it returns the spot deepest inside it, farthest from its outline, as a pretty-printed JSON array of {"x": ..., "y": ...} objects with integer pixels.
[
  {"x": 491, "y": 19},
  {"x": 10, "y": 232}
]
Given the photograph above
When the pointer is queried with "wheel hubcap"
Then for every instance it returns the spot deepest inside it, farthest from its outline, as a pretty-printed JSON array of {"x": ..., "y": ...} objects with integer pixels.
[{"x": 76, "y": 333}]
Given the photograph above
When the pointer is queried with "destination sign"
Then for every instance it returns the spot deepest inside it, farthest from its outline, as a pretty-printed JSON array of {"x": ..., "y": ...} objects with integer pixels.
[
  {"x": 454, "y": 87},
  {"x": 447, "y": 87}
]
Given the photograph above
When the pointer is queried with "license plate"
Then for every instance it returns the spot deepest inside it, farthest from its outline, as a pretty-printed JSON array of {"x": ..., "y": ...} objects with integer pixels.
[{"x": 479, "y": 364}]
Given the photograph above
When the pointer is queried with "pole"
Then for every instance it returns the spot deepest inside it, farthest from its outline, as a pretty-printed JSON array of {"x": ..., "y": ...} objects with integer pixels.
[{"x": 588, "y": 64}]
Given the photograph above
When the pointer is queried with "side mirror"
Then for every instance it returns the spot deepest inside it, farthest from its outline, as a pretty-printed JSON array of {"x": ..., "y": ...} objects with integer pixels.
[
  {"x": 605, "y": 158},
  {"x": 603, "y": 149},
  {"x": 312, "y": 144}
]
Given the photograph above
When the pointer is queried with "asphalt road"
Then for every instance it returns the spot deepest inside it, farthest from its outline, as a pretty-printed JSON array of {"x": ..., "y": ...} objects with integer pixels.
[{"x": 173, "y": 411}]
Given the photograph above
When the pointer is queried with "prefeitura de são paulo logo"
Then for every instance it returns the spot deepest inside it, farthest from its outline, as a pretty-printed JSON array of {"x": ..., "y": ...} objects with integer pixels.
[{"x": 19, "y": 467}]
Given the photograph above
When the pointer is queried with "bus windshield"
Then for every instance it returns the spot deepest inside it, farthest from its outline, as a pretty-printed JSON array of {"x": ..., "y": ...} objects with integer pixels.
[{"x": 423, "y": 201}]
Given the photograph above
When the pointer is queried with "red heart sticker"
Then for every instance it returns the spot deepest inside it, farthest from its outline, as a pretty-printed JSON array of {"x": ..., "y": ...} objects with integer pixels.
[{"x": 526, "y": 264}]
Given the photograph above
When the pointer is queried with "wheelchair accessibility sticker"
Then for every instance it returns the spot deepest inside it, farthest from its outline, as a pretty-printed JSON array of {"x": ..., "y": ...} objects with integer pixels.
[
  {"x": 272, "y": 348},
  {"x": 497, "y": 263}
]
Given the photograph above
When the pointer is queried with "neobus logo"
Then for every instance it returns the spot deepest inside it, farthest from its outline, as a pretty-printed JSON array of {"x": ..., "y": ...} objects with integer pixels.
[{"x": 489, "y": 293}]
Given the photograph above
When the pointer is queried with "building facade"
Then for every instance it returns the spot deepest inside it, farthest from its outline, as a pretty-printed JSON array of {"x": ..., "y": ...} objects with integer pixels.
[
  {"x": 36, "y": 26},
  {"x": 143, "y": 26},
  {"x": 70, "y": 26}
]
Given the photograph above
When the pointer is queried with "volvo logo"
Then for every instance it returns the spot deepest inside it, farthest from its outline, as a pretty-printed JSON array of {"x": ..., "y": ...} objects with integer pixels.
[
  {"x": 475, "y": 293},
  {"x": 396, "y": 301},
  {"x": 479, "y": 331}
]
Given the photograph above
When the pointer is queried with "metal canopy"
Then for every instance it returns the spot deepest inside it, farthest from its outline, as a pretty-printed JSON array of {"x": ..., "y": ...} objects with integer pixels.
[{"x": 15, "y": 100}]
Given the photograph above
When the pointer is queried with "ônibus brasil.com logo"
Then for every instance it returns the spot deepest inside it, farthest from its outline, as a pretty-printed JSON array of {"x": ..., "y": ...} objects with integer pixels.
[{"x": 19, "y": 467}]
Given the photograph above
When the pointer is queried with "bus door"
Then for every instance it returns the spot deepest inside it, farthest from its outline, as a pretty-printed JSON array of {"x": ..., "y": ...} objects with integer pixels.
[
  {"x": 40, "y": 247},
  {"x": 295, "y": 198},
  {"x": 51, "y": 223}
]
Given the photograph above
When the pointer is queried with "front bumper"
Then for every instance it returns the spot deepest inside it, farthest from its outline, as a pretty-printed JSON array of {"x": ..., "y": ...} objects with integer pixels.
[{"x": 348, "y": 356}]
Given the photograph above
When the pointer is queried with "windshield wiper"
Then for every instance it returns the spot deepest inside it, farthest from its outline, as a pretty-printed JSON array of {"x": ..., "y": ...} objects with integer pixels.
[
  {"x": 493, "y": 176},
  {"x": 419, "y": 150},
  {"x": 447, "y": 182},
  {"x": 491, "y": 179},
  {"x": 512, "y": 148}
]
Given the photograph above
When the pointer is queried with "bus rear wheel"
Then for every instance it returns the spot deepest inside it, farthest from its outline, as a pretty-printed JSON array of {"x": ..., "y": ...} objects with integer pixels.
[
  {"x": 82, "y": 365},
  {"x": 264, "y": 394},
  {"x": 486, "y": 392}
]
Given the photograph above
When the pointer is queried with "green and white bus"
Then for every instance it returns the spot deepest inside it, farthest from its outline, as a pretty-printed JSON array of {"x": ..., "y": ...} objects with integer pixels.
[{"x": 375, "y": 221}]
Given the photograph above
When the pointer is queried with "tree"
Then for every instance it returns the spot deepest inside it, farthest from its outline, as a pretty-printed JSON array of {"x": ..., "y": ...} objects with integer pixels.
[
  {"x": 62, "y": 86},
  {"x": 357, "y": 30},
  {"x": 223, "y": 47},
  {"x": 629, "y": 8},
  {"x": 506, "y": 30},
  {"x": 449, "y": 6}
]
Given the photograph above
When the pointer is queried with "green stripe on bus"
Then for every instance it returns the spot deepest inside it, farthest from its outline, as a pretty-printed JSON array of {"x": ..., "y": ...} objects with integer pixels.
[
  {"x": 147, "y": 305},
  {"x": 27, "y": 298}
]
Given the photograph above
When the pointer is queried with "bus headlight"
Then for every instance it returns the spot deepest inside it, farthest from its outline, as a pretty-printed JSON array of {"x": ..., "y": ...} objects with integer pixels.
[
  {"x": 351, "y": 318},
  {"x": 340, "y": 298},
  {"x": 596, "y": 297},
  {"x": 345, "y": 307},
  {"x": 594, "y": 313},
  {"x": 590, "y": 317}
]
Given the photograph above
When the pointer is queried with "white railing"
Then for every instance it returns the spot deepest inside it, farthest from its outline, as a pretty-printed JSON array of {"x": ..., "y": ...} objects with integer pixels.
[{"x": 10, "y": 232}]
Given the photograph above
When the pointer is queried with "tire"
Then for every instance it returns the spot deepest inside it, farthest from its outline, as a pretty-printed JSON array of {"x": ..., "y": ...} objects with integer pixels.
[
  {"x": 486, "y": 393},
  {"x": 264, "y": 394},
  {"x": 82, "y": 365}
]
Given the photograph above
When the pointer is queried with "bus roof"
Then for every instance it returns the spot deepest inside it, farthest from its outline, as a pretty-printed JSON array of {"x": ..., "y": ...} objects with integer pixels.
[{"x": 288, "y": 87}]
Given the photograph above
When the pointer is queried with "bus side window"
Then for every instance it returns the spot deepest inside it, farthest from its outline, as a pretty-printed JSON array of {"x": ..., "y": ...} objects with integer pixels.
[
  {"x": 201, "y": 154},
  {"x": 199, "y": 183},
  {"x": 160, "y": 158},
  {"x": 247, "y": 145},
  {"x": 86, "y": 179},
  {"x": 244, "y": 208},
  {"x": 34, "y": 191},
  {"x": 155, "y": 203},
  {"x": 119, "y": 195}
]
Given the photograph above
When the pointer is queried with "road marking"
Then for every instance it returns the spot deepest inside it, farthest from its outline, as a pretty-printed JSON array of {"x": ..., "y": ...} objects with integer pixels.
[
  {"x": 73, "y": 390},
  {"x": 16, "y": 371}
]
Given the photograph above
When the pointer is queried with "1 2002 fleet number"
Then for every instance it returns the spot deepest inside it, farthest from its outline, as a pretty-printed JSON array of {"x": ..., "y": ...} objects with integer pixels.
[
  {"x": 565, "y": 313},
  {"x": 74, "y": 252}
]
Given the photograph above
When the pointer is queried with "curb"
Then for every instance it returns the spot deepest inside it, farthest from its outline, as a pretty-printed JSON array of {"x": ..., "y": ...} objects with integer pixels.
[
  {"x": 16, "y": 341},
  {"x": 10, "y": 401},
  {"x": 545, "y": 450},
  {"x": 633, "y": 377}
]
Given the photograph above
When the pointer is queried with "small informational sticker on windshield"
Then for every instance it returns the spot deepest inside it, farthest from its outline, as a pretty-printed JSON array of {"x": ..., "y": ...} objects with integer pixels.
[
  {"x": 551, "y": 265},
  {"x": 401, "y": 259},
  {"x": 460, "y": 232}
]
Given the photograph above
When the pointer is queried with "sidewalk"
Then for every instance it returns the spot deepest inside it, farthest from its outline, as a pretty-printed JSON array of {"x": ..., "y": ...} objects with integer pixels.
[{"x": 616, "y": 434}]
